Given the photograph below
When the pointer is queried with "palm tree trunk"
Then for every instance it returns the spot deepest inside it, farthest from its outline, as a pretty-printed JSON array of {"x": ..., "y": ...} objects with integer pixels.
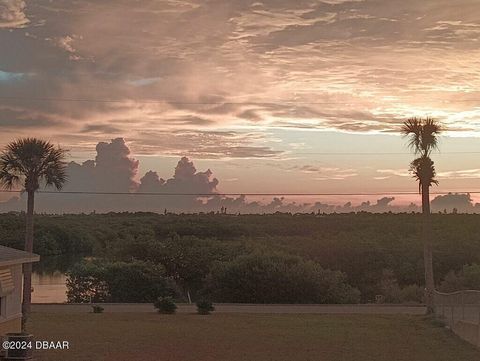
[
  {"x": 427, "y": 248},
  {"x": 27, "y": 268}
]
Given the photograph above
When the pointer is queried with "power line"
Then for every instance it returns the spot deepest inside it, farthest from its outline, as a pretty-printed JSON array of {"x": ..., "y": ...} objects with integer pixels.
[
  {"x": 166, "y": 101},
  {"x": 279, "y": 102},
  {"x": 287, "y": 153},
  {"x": 378, "y": 153},
  {"x": 271, "y": 194}
]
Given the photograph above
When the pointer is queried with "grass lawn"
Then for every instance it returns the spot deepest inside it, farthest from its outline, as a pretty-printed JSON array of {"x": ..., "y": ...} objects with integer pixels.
[{"x": 235, "y": 337}]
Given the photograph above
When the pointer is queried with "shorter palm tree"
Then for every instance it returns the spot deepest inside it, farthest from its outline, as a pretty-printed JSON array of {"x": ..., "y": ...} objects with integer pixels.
[
  {"x": 423, "y": 134},
  {"x": 30, "y": 162}
]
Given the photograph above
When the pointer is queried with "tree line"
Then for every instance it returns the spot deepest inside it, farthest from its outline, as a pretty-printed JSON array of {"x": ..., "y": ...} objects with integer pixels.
[{"x": 378, "y": 254}]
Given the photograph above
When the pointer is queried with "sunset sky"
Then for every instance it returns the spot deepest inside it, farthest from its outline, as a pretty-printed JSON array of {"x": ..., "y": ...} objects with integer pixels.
[{"x": 266, "y": 94}]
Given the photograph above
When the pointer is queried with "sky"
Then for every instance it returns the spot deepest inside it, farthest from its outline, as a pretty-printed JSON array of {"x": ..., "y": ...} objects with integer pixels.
[{"x": 264, "y": 96}]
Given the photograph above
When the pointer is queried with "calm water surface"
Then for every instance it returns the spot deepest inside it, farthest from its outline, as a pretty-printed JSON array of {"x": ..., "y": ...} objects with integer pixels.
[
  {"x": 49, "y": 288},
  {"x": 48, "y": 279}
]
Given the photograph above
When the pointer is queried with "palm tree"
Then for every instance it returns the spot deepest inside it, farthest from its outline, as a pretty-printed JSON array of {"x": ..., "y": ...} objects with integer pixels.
[
  {"x": 31, "y": 162},
  {"x": 423, "y": 139}
]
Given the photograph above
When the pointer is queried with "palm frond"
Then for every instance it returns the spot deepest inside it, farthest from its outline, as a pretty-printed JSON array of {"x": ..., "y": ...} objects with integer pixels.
[
  {"x": 33, "y": 160},
  {"x": 423, "y": 170},
  {"x": 423, "y": 134},
  {"x": 8, "y": 180},
  {"x": 430, "y": 132},
  {"x": 412, "y": 128}
]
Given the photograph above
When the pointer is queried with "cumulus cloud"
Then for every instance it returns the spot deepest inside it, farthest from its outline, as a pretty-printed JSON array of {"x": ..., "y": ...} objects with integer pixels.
[
  {"x": 150, "y": 182},
  {"x": 114, "y": 172},
  {"x": 187, "y": 179},
  {"x": 12, "y": 14},
  {"x": 116, "y": 169},
  {"x": 461, "y": 203}
]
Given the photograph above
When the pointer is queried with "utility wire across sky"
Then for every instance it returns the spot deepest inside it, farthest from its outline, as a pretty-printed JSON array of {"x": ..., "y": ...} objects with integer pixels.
[
  {"x": 240, "y": 193},
  {"x": 176, "y": 102},
  {"x": 378, "y": 153}
]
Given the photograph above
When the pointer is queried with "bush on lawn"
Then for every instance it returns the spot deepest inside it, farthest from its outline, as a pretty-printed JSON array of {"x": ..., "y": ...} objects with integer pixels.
[
  {"x": 205, "y": 307},
  {"x": 165, "y": 305},
  {"x": 97, "y": 309}
]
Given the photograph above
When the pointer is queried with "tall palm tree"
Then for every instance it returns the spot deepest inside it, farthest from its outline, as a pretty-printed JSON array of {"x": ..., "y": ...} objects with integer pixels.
[
  {"x": 423, "y": 139},
  {"x": 30, "y": 162}
]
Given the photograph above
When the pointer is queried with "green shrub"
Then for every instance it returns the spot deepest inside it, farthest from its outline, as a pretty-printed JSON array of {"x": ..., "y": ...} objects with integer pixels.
[
  {"x": 471, "y": 273},
  {"x": 412, "y": 294},
  {"x": 165, "y": 305},
  {"x": 97, "y": 309},
  {"x": 205, "y": 307},
  {"x": 278, "y": 278},
  {"x": 86, "y": 283},
  {"x": 467, "y": 278},
  {"x": 392, "y": 292},
  {"x": 388, "y": 287}
]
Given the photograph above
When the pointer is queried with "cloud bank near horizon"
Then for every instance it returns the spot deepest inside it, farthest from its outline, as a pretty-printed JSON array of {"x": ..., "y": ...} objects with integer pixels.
[{"x": 114, "y": 170}]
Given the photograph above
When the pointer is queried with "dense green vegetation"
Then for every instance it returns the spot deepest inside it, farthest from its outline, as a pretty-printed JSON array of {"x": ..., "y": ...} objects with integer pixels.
[
  {"x": 468, "y": 278},
  {"x": 275, "y": 278},
  {"x": 377, "y": 253},
  {"x": 135, "y": 281}
]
